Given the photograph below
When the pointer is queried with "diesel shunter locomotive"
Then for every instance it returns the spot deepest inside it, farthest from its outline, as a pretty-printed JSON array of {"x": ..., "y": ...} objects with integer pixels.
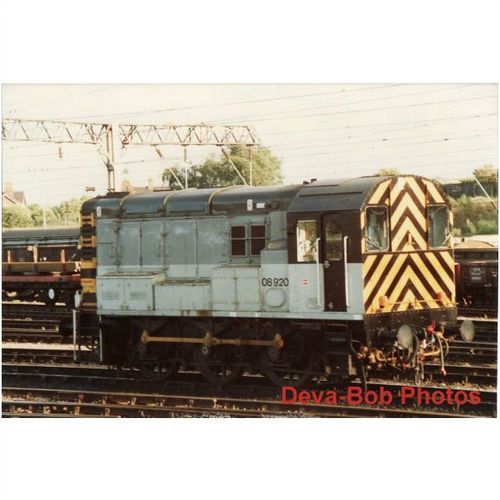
[{"x": 324, "y": 278}]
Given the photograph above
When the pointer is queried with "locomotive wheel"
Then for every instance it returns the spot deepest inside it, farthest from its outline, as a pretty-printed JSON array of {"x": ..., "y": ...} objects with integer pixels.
[
  {"x": 157, "y": 371},
  {"x": 291, "y": 365},
  {"x": 154, "y": 364},
  {"x": 217, "y": 365}
]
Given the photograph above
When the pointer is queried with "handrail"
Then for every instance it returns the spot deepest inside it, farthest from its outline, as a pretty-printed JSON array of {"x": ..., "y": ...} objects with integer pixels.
[
  {"x": 346, "y": 273},
  {"x": 318, "y": 285}
]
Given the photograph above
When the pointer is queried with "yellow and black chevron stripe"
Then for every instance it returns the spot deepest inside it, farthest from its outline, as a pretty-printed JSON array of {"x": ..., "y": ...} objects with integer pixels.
[
  {"x": 409, "y": 276},
  {"x": 408, "y": 207},
  {"x": 409, "y": 280},
  {"x": 434, "y": 196},
  {"x": 88, "y": 260},
  {"x": 381, "y": 194}
]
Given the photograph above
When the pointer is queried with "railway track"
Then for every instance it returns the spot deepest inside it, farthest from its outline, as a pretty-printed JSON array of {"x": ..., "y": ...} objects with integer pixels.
[
  {"x": 29, "y": 330},
  {"x": 46, "y": 354},
  {"x": 479, "y": 352},
  {"x": 479, "y": 374},
  {"x": 23, "y": 322},
  {"x": 471, "y": 371},
  {"x": 34, "y": 310},
  {"x": 252, "y": 397},
  {"x": 44, "y": 380},
  {"x": 477, "y": 312},
  {"x": 37, "y": 402}
]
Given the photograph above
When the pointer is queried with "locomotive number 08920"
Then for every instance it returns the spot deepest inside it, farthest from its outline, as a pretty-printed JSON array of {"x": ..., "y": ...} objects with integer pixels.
[{"x": 274, "y": 281}]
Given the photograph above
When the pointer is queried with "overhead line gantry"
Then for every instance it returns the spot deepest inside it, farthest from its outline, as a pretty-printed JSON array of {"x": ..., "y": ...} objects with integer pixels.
[{"x": 104, "y": 135}]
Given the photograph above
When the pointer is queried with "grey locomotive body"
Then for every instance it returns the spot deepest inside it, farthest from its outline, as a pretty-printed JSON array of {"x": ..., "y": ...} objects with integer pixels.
[{"x": 221, "y": 253}]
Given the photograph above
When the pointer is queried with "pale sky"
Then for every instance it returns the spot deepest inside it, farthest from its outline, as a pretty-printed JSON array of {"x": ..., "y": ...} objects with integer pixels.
[{"x": 319, "y": 131}]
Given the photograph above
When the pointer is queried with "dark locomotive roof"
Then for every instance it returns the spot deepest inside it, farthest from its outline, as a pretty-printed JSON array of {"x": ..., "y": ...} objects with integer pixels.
[
  {"x": 149, "y": 203},
  {"x": 228, "y": 200},
  {"x": 264, "y": 199},
  {"x": 334, "y": 195},
  {"x": 108, "y": 204},
  {"x": 188, "y": 201},
  {"x": 318, "y": 196}
]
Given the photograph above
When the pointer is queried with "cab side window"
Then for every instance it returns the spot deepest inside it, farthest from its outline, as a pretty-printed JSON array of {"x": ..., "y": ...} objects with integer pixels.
[
  {"x": 376, "y": 232},
  {"x": 438, "y": 226},
  {"x": 334, "y": 243},
  {"x": 307, "y": 247}
]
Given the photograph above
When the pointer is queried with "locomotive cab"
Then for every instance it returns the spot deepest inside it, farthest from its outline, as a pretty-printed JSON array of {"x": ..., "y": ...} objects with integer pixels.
[
  {"x": 408, "y": 265},
  {"x": 383, "y": 253}
]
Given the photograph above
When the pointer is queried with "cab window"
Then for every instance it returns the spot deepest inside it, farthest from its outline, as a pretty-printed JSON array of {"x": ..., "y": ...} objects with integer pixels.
[
  {"x": 334, "y": 244},
  {"x": 377, "y": 232},
  {"x": 307, "y": 234},
  {"x": 437, "y": 222}
]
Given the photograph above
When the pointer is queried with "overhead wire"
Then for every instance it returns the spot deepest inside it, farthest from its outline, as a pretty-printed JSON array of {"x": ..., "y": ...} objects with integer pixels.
[
  {"x": 231, "y": 103},
  {"x": 51, "y": 101},
  {"x": 367, "y": 110},
  {"x": 391, "y": 158},
  {"x": 423, "y": 121},
  {"x": 361, "y": 101},
  {"x": 382, "y": 141}
]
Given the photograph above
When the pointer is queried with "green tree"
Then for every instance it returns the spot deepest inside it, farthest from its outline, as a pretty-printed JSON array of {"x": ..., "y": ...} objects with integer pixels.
[
  {"x": 486, "y": 173},
  {"x": 487, "y": 227},
  {"x": 16, "y": 216},
  {"x": 37, "y": 215},
  {"x": 218, "y": 172},
  {"x": 473, "y": 216},
  {"x": 388, "y": 172},
  {"x": 68, "y": 212}
]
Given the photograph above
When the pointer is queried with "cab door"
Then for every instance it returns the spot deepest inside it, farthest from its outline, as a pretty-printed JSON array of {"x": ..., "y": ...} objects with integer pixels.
[{"x": 334, "y": 259}]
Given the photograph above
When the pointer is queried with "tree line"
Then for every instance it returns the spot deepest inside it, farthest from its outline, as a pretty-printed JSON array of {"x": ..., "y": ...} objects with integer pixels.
[{"x": 66, "y": 213}]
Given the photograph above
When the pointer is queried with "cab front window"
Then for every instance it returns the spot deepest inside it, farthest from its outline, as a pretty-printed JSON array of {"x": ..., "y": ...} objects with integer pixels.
[
  {"x": 377, "y": 232},
  {"x": 439, "y": 229}
]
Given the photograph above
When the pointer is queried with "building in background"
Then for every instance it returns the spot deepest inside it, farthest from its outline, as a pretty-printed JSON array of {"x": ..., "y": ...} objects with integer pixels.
[
  {"x": 469, "y": 187},
  {"x": 11, "y": 198}
]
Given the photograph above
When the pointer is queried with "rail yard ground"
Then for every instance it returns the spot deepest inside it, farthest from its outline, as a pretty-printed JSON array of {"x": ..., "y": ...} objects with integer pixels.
[{"x": 45, "y": 376}]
